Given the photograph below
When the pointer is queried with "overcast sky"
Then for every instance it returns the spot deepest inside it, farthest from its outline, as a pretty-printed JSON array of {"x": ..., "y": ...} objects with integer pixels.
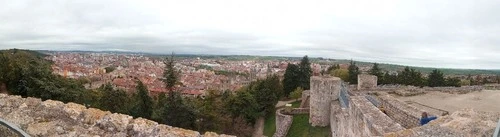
[{"x": 433, "y": 33}]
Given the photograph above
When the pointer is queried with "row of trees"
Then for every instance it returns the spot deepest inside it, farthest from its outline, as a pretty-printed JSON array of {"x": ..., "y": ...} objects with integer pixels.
[{"x": 408, "y": 76}]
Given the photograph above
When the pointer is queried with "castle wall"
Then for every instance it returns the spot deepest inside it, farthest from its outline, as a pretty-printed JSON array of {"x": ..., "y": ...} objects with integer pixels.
[
  {"x": 366, "y": 81},
  {"x": 323, "y": 91},
  {"x": 406, "y": 115},
  {"x": 284, "y": 120},
  {"x": 361, "y": 118},
  {"x": 54, "y": 118}
]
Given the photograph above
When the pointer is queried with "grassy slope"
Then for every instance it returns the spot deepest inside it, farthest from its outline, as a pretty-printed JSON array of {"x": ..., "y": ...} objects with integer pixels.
[
  {"x": 270, "y": 121},
  {"x": 301, "y": 128}
]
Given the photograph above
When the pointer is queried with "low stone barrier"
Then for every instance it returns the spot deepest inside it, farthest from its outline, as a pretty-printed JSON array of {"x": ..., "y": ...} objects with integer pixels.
[
  {"x": 55, "y": 118},
  {"x": 284, "y": 119},
  {"x": 361, "y": 118},
  {"x": 406, "y": 115}
]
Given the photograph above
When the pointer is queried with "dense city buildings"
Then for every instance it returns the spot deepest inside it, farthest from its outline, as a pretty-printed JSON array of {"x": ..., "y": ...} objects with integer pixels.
[{"x": 197, "y": 74}]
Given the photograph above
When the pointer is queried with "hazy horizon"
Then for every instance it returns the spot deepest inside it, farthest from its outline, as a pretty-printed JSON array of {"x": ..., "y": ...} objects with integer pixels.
[{"x": 438, "y": 34}]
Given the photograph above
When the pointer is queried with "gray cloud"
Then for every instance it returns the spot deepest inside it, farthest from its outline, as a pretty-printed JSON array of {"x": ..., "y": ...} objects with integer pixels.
[{"x": 450, "y": 33}]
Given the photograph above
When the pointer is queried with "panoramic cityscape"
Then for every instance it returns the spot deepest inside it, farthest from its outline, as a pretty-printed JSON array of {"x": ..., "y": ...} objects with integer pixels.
[{"x": 249, "y": 68}]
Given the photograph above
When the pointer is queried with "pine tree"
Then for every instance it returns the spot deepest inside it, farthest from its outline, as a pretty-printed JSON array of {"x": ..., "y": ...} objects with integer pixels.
[
  {"x": 114, "y": 100},
  {"x": 291, "y": 78},
  {"x": 143, "y": 106},
  {"x": 175, "y": 111},
  {"x": 435, "y": 79},
  {"x": 305, "y": 73},
  {"x": 353, "y": 73}
]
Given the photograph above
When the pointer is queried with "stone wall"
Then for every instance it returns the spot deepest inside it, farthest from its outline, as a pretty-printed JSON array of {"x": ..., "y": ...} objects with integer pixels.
[
  {"x": 453, "y": 90},
  {"x": 323, "y": 91},
  {"x": 284, "y": 120},
  {"x": 54, "y": 118},
  {"x": 366, "y": 81},
  {"x": 361, "y": 118},
  {"x": 463, "y": 123},
  {"x": 305, "y": 99},
  {"x": 283, "y": 123},
  {"x": 406, "y": 115}
]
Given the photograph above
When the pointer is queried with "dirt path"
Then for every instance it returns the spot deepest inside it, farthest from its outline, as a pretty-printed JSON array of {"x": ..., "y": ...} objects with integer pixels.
[
  {"x": 259, "y": 128},
  {"x": 259, "y": 124},
  {"x": 487, "y": 100}
]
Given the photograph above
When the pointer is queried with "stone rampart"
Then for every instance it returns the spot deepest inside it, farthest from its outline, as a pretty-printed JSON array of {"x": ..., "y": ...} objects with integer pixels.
[
  {"x": 323, "y": 91},
  {"x": 305, "y": 99},
  {"x": 453, "y": 90},
  {"x": 283, "y": 123},
  {"x": 406, "y": 115},
  {"x": 361, "y": 118},
  {"x": 54, "y": 118},
  {"x": 463, "y": 123},
  {"x": 284, "y": 120},
  {"x": 366, "y": 81}
]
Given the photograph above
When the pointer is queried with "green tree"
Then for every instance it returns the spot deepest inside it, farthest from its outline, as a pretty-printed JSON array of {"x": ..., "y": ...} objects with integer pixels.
[
  {"x": 291, "y": 78},
  {"x": 453, "y": 82},
  {"x": 305, "y": 73},
  {"x": 244, "y": 105},
  {"x": 114, "y": 100},
  {"x": 341, "y": 73},
  {"x": 143, "y": 103},
  {"x": 170, "y": 74},
  {"x": 175, "y": 111},
  {"x": 376, "y": 71},
  {"x": 333, "y": 67},
  {"x": 266, "y": 93},
  {"x": 353, "y": 73},
  {"x": 436, "y": 79},
  {"x": 159, "y": 106},
  {"x": 297, "y": 93}
]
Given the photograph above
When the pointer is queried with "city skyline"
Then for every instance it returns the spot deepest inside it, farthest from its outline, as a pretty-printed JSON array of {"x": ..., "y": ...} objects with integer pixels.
[{"x": 444, "y": 34}]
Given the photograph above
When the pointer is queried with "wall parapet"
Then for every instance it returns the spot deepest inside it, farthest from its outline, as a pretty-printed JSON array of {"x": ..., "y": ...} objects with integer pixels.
[
  {"x": 406, "y": 115},
  {"x": 55, "y": 118},
  {"x": 283, "y": 123}
]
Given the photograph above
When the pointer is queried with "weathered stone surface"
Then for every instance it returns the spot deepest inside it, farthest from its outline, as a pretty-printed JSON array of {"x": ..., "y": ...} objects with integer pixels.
[
  {"x": 366, "y": 81},
  {"x": 464, "y": 123},
  {"x": 54, "y": 118},
  {"x": 323, "y": 91}
]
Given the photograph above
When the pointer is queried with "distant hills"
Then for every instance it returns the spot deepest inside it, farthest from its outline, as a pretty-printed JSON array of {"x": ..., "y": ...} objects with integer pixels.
[{"x": 386, "y": 67}]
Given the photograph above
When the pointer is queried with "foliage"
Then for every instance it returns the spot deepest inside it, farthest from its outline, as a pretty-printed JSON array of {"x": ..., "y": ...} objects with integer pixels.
[
  {"x": 114, "y": 100},
  {"x": 376, "y": 71},
  {"x": 435, "y": 79},
  {"x": 177, "y": 113},
  {"x": 353, "y": 73},
  {"x": 143, "y": 103},
  {"x": 244, "y": 105},
  {"x": 297, "y": 93},
  {"x": 291, "y": 78},
  {"x": 110, "y": 69},
  {"x": 411, "y": 77},
  {"x": 170, "y": 74},
  {"x": 27, "y": 73},
  {"x": 305, "y": 73},
  {"x": 341, "y": 73}
]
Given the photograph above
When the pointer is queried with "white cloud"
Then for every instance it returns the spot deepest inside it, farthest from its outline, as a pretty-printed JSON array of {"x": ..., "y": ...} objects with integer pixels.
[{"x": 447, "y": 33}]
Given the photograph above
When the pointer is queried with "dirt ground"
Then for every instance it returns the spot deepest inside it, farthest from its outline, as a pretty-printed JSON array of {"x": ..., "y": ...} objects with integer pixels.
[{"x": 487, "y": 100}]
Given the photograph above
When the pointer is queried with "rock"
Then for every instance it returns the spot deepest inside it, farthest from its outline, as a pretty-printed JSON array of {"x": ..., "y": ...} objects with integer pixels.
[
  {"x": 114, "y": 122},
  {"x": 74, "y": 110}
]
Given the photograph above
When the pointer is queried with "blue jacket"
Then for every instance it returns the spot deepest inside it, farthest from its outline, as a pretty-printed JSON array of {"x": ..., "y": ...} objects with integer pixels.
[{"x": 424, "y": 121}]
